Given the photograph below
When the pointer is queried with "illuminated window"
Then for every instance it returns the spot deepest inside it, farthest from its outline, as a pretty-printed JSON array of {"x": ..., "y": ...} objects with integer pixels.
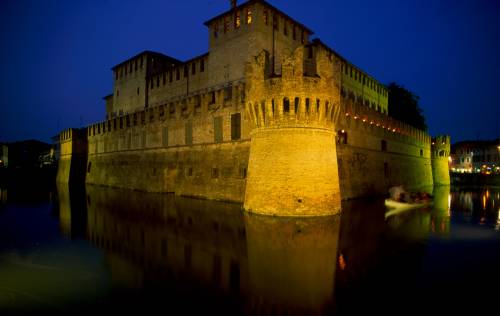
[
  {"x": 249, "y": 15},
  {"x": 237, "y": 20},
  {"x": 342, "y": 137}
]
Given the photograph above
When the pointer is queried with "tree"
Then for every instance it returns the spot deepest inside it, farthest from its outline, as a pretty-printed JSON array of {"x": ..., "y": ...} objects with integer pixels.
[{"x": 403, "y": 106}]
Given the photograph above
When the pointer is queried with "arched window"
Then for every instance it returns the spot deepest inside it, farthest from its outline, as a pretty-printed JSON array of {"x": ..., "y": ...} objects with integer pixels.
[
  {"x": 296, "y": 105},
  {"x": 342, "y": 137}
]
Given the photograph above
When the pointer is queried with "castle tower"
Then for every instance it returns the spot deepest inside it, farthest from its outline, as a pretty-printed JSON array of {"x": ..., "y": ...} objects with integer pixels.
[
  {"x": 72, "y": 165},
  {"x": 440, "y": 151},
  {"x": 292, "y": 168}
]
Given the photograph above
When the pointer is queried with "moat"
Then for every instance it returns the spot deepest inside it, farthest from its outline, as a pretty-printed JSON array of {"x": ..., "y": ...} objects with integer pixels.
[{"x": 99, "y": 249}]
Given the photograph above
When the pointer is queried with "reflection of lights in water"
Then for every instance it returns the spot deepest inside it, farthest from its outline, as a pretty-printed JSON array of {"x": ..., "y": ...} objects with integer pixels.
[
  {"x": 482, "y": 220},
  {"x": 484, "y": 202},
  {"x": 497, "y": 227},
  {"x": 449, "y": 205},
  {"x": 342, "y": 262}
]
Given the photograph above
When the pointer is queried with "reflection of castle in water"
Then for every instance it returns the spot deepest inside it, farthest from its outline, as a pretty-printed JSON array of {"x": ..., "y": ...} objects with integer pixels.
[{"x": 265, "y": 264}]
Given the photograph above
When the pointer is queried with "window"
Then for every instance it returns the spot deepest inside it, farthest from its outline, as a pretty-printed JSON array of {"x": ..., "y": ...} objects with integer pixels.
[
  {"x": 307, "y": 105},
  {"x": 177, "y": 74},
  {"x": 138, "y": 90},
  {"x": 285, "y": 29},
  {"x": 88, "y": 167},
  {"x": 135, "y": 65},
  {"x": 383, "y": 145},
  {"x": 164, "y": 78},
  {"x": 216, "y": 29},
  {"x": 266, "y": 17},
  {"x": 294, "y": 33},
  {"x": 170, "y": 75},
  {"x": 186, "y": 71},
  {"x": 228, "y": 93},
  {"x": 212, "y": 97},
  {"x": 117, "y": 93},
  {"x": 157, "y": 81},
  {"x": 235, "y": 126},
  {"x": 215, "y": 173},
  {"x": 218, "y": 132},
  {"x": 342, "y": 137},
  {"x": 142, "y": 59},
  {"x": 237, "y": 20},
  {"x": 286, "y": 105},
  {"x": 193, "y": 68},
  {"x": 243, "y": 173},
  {"x": 249, "y": 15},
  {"x": 386, "y": 169},
  {"x": 296, "y": 105},
  {"x": 275, "y": 22},
  {"x": 421, "y": 152},
  {"x": 202, "y": 65}
]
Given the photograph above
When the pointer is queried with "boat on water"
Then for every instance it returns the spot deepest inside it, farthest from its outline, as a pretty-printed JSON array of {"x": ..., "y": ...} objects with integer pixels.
[{"x": 401, "y": 201}]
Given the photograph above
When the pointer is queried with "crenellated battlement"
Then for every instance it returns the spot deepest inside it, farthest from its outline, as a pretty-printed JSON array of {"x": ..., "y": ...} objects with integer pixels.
[
  {"x": 441, "y": 146},
  {"x": 292, "y": 98},
  {"x": 440, "y": 153}
]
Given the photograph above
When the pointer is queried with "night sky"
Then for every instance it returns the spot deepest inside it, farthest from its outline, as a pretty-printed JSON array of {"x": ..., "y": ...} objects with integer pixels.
[{"x": 56, "y": 55}]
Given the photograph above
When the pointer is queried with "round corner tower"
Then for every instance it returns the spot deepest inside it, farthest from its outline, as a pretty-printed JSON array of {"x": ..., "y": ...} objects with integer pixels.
[
  {"x": 292, "y": 169},
  {"x": 440, "y": 151}
]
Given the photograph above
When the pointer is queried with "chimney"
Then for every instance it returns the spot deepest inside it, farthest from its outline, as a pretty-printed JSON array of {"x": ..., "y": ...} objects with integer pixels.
[{"x": 233, "y": 4}]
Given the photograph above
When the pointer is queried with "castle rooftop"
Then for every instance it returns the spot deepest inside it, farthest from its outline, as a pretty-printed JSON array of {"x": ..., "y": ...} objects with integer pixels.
[
  {"x": 151, "y": 53},
  {"x": 263, "y": 2}
]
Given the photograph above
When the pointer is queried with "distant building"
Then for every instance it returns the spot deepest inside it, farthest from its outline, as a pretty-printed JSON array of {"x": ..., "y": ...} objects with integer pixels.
[
  {"x": 4, "y": 156},
  {"x": 476, "y": 156},
  {"x": 25, "y": 154}
]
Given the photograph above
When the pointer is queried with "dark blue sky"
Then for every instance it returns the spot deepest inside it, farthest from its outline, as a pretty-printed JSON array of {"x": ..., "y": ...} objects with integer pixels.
[{"x": 56, "y": 55}]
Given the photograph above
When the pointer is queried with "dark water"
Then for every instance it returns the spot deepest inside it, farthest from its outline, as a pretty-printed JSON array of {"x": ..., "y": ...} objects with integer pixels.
[{"x": 106, "y": 250}]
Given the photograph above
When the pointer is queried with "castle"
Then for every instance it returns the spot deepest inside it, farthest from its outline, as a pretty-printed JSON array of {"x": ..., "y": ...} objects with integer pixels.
[{"x": 267, "y": 118}]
